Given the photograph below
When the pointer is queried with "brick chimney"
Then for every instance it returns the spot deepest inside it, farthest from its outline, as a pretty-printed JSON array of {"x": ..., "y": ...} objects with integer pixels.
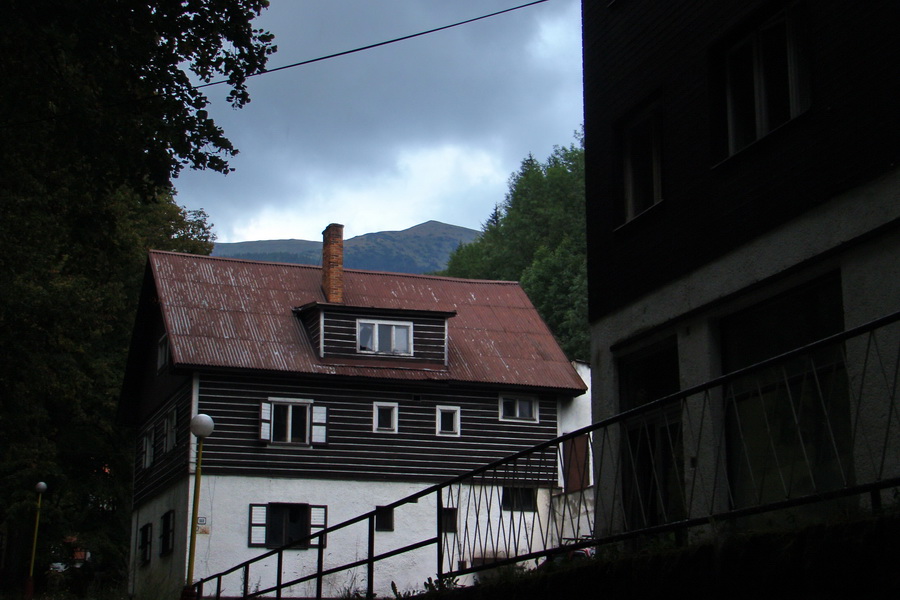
[{"x": 333, "y": 263}]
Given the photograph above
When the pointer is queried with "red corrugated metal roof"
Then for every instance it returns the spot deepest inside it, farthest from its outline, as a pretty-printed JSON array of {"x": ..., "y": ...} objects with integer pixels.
[{"x": 232, "y": 313}]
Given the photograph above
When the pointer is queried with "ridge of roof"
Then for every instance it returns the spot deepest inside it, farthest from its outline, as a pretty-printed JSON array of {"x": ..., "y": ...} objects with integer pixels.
[{"x": 346, "y": 270}]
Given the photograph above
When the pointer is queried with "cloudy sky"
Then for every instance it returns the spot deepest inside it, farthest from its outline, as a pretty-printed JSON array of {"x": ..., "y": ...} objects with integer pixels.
[{"x": 384, "y": 139}]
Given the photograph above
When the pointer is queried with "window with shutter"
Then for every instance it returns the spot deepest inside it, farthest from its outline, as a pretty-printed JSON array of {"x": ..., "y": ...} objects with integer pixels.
[
  {"x": 293, "y": 421},
  {"x": 277, "y": 524}
]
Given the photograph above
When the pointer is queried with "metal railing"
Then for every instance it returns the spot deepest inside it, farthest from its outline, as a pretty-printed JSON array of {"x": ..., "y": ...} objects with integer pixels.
[{"x": 789, "y": 440}]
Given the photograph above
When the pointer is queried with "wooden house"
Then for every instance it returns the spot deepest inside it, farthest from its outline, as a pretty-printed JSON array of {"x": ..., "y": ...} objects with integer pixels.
[{"x": 333, "y": 392}]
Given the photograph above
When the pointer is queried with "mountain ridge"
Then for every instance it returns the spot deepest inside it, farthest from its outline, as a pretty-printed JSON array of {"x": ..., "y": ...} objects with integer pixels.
[{"x": 422, "y": 248}]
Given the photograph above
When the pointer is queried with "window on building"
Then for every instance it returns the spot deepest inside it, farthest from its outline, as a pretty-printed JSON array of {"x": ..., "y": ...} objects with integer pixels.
[
  {"x": 519, "y": 498},
  {"x": 385, "y": 337},
  {"x": 384, "y": 519},
  {"x": 447, "y": 420},
  {"x": 145, "y": 543},
  {"x": 292, "y": 421},
  {"x": 449, "y": 521},
  {"x": 795, "y": 417},
  {"x": 278, "y": 524},
  {"x": 167, "y": 533},
  {"x": 148, "y": 441},
  {"x": 641, "y": 163},
  {"x": 518, "y": 408},
  {"x": 384, "y": 417},
  {"x": 766, "y": 79},
  {"x": 162, "y": 352},
  {"x": 171, "y": 429},
  {"x": 652, "y": 444}
]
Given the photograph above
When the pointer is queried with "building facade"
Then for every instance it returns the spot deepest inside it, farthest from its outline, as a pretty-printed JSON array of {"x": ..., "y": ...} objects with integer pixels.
[
  {"x": 743, "y": 198},
  {"x": 333, "y": 392}
]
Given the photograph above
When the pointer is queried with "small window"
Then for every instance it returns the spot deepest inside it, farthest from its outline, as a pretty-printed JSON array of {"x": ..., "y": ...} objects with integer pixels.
[
  {"x": 147, "y": 449},
  {"x": 278, "y": 524},
  {"x": 292, "y": 421},
  {"x": 385, "y": 337},
  {"x": 516, "y": 408},
  {"x": 449, "y": 519},
  {"x": 642, "y": 164},
  {"x": 384, "y": 417},
  {"x": 171, "y": 430},
  {"x": 384, "y": 519},
  {"x": 145, "y": 543},
  {"x": 167, "y": 533},
  {"x": 162, "y": 352},
  {"x": 447, "y": 420},
  {"x": 519, "y": 498},
  {"x": 766, "y": 79}
]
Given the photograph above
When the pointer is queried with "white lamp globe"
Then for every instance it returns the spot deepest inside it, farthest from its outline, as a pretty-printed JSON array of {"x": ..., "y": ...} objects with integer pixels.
[
  {"x": 202, "y": 425},
  {"x": 41, "y": 487}
]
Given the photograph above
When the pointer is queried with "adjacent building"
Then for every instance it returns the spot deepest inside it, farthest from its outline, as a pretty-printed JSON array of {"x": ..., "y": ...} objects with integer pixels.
[{"x": 743, "y": 200}]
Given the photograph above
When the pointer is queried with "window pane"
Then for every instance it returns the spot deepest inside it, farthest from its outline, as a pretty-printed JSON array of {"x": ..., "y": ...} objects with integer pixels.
[
  {"x": 280, "y": 423},
  {"x": 401, "y": 339},
  {"x": 775, "y": 79},
  {"x": 384, "y": 337},
  {"x": 640, "y": 167},
  {"x": 741, "y": 97},
  {"x": 299, "y": 424},
  {"x": 526, "y": 409},
  {"x": 509, "y": 408},
  {"x": 366, "y": 335},
  {"x": 385, "y": 417},
  {"x": 448, "y": 421}
]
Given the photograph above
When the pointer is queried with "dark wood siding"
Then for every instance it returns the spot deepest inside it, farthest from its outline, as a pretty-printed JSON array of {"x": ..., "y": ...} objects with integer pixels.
[
  {"x": 429, "y": 335},
  {"x": 670, "y": 53},
  {"x": 311, "y": 323},
  {"x": 167, "y": 466},
  {"x": 354, "y": 451}
]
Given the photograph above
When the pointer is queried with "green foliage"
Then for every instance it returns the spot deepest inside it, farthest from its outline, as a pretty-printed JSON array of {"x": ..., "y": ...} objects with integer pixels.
[
  {"x": 537, "y": 237},
  {"x": 96, "y": 118}
]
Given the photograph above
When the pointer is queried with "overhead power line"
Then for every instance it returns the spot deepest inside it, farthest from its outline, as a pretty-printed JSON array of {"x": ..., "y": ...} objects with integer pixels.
[{"x": 371, "y": 46}]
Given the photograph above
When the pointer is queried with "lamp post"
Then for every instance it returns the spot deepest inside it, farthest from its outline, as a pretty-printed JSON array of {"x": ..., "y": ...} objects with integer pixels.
[
  {"x": 40, "y": 488},
  {"x": 201, "y": 426}
]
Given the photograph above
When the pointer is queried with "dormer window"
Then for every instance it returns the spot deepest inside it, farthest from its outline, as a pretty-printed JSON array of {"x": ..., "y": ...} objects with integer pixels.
[{"x": 384, "y": 337}]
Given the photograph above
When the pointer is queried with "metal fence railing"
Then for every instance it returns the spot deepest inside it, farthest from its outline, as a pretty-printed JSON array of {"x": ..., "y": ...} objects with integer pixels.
[{"x": 790, "y": 439}]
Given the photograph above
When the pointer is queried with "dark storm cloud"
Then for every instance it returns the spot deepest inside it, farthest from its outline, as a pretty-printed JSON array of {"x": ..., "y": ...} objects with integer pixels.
[{"x": 357, "y": 138}]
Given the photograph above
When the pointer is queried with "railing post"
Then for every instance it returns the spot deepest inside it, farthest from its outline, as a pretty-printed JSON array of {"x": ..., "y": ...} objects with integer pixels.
[
  {"x": 320, "y": 563},
  {"x": 218, "y": 588},
  {"x": 278, "y": 577},
  {"x": 370, "y": 563},
  {"x": 246, "y": 580},
  {"x": 440, "y": 535}
]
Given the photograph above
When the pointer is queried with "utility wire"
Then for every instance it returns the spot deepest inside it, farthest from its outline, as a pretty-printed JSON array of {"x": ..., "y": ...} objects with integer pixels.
[
  {"x": 371, "y": 46},
  {"x": 312, "y": 60}
]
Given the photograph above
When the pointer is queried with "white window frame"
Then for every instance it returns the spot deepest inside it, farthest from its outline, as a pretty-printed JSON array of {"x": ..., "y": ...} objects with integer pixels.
[
  {"x": 535, "y": 416},
  {"x": 395, "y": 417},
  {"x": 316, "y": 421},
  {"x": 438, "y": 411},
  {"x": 376, "y": 325}
]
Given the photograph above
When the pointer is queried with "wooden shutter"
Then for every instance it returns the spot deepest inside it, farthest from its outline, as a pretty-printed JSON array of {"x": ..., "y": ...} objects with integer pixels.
[
  {"x": 265, "y": 421},
  {"x": 319, "y": 427},
  {"x": 256, "y": 535},
  {"x": 318, "y": 520}
]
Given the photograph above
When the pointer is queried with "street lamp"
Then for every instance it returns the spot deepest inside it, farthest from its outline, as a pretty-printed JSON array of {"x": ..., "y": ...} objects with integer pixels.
[
  {"x": 40, "y": 488},
  {"x": 201, "y": 426}
]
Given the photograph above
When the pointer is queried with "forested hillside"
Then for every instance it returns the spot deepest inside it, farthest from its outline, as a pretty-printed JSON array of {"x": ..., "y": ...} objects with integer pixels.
[{"x": 537, "y": 236}]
